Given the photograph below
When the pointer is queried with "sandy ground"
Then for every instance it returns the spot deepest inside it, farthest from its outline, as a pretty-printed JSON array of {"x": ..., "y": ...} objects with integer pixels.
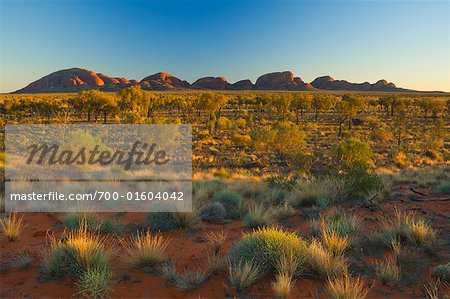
[{"x": 188, "y": 248}]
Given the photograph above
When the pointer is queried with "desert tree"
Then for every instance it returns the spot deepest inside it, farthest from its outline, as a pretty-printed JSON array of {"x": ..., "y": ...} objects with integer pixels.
[
  {"x": 135, "y": 103},
  {"x": 321, "y": 103},
  {"x": 301, "y": 102}
]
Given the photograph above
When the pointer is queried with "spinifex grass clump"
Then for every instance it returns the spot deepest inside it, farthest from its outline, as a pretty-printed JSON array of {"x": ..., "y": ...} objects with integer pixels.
[
  {"x": 213, "y": 212},
  {"x": 243, "y": 274},
  {"x": 167, "y": 221},
  {"x": 388, "y": 271},
  {"x": 323, "y": 263},
  {"x": 191, "y": 278},
  {"x": 407, "y": 226},
  {"x": 95, "y": 283},
  {"x": 146, "y": 251},
  {"x": 282, "y": 286},
  {"x": 265, "y": 246},
  {"x": 347, "y": 287},
  {"x": 11, "y": 226},
  {"x": 76, "y": 252},
  {"x": 259, "y": 216},
  {"x": 337, "y": 230},
  {"x": 93, "y": 222},
  {"x": 233, "y": 203}
]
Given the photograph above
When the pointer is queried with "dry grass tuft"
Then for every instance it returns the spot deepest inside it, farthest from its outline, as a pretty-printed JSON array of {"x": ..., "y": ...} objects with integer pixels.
[
  {"x": 216, "y": 239},
  {"x": 283, "y": 285},
  {"x": 146, "y": 251},
  {"x": 324, "y": 263},
  {"x": 243, "y": 275},
  {"x": 12, "y": 226},
  {"x": 347, "y": 287}
]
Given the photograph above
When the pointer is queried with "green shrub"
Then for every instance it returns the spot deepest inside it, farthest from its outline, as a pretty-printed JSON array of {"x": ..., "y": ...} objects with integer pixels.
[
  {"x": 233, "y": 203},
  {"x": 265, "y": 247},
  {"x": 213, "y": 212}
]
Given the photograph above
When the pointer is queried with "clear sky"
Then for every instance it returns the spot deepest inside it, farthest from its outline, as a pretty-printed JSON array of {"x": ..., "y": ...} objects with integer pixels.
[{"x": 406, "y": 42}]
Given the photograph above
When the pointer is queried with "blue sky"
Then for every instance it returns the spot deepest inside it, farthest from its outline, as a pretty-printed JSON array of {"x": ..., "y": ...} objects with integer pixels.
[{"x": 406, "y": 42}]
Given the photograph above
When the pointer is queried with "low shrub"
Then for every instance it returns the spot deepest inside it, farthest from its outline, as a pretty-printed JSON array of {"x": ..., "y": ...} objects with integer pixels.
[
  {"x": 233, "y": 203},
  {"x": 265, "y": 247},
  {"x": 213, "y": 212}
]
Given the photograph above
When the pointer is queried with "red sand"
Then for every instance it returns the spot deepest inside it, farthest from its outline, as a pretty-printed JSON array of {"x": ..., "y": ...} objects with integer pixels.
[{"x": 188, "y": 249}]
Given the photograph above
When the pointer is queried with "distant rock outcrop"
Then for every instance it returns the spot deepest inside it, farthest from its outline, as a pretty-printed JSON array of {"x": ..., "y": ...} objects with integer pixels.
[
  {"x": 217, "y": 83},
  {"x": 242, "y": 85},
  {"x": 74, "y": 79},
  {"x": 329, "y": 83},
  {"x": 164, "y": 81},
  {"x": 281, "y": 81}
]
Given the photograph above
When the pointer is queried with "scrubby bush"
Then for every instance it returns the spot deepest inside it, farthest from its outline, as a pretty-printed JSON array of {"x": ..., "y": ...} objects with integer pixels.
[
  {"x": 265, "y": 246},
  {"x": 233, "y": 203},
  {"x": 22, "y": 261},
  {"x": 213, "y": 212}
]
